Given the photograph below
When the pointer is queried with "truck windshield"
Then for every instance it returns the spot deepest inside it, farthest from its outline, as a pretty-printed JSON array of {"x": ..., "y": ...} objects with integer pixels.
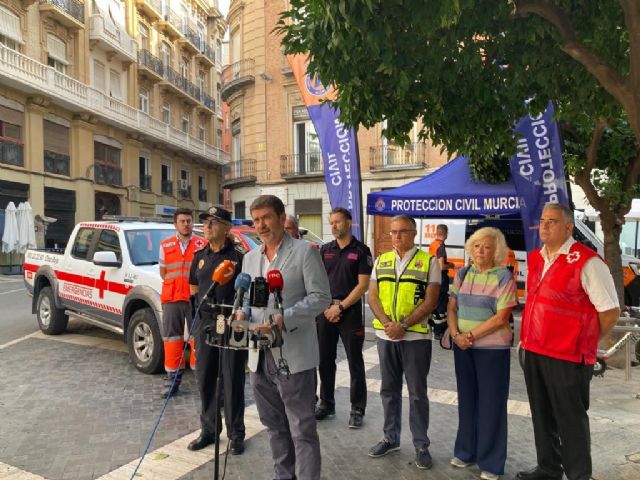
[{"x": 144, "y": 244}]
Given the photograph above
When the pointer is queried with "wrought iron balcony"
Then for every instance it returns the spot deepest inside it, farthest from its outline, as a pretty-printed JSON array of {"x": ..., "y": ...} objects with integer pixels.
[
  {"x": 239, "y": 173},
  {"x": 69, "y": 13},
  {"x": 394, "y": 157},
  {"x": 182, "y": 85},
  {"x": 57, "y": 163},
  {"x": 237, "y": 76},
  {"x": 167, "y": 187},
  {"x": 12, "y": 153},
  {"x": 148, "y": 62},
  {"x": 111, "y": 38},
  {"x": 145, "y": 182},
  {"x": 191, "y": 41},
  {"x": 202, "y": 195},
  {"x": 207, "y": 55},
  {"x": 152, "y": 8},
  {"x": 185, "y": 192},
  {"x": 108, "y": 174},
  {"x": 298, "y": 165},
  {"x": 171, "y": 24}
]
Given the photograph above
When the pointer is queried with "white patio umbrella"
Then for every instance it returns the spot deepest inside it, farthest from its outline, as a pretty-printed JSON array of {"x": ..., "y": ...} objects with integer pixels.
[
  {"x": 10, "y": 235},
  {"x": 26, "y": 228}
]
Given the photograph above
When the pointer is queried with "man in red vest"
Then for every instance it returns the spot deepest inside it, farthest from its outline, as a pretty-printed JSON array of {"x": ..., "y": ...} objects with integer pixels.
[
  {"x": 571, "y": 303},
  {"x": 176, "y": 255}
]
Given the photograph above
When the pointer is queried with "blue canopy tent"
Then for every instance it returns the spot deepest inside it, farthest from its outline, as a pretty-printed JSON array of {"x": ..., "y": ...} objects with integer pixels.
[{"x": 449, "y": 192}]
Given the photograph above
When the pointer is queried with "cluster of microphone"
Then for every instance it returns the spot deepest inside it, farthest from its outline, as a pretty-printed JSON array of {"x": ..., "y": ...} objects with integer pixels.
[{"x": 237, "y": 335}]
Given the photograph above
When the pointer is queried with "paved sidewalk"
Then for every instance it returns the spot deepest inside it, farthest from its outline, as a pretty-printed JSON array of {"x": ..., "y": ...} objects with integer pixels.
[{"x": 73, "y": 407}]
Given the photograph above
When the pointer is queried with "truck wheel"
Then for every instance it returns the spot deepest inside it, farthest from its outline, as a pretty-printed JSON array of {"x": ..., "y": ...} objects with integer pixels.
[
  {"x": 145, "y": 342},
  {"x": 51, "y": 319}
]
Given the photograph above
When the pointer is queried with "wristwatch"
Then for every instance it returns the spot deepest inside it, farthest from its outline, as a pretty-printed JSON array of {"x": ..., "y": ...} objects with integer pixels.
[
  {"x": 404, "y": 325},
  {"x": 340, "y": 307}
]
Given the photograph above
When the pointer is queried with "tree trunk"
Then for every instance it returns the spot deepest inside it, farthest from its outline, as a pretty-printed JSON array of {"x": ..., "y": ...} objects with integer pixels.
[{"x": 612, "y": 223}]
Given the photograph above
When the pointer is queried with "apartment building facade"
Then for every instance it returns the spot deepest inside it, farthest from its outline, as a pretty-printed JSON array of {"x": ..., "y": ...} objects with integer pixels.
[
  {"x": 110, "y": 107},
  {"x": 273, "y": 145}
]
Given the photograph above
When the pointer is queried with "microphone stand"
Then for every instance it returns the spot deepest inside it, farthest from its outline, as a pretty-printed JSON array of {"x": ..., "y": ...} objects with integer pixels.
[{"x": 218, "y": 426}]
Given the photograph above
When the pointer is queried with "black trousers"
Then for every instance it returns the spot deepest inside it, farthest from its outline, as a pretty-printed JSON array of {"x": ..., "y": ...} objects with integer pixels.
[
  {"x": 233, "y": 378},
  {"x": 350, "y": 330},
  {"x": 559, "y": 399},
  {"x": 443, "y": 297}
]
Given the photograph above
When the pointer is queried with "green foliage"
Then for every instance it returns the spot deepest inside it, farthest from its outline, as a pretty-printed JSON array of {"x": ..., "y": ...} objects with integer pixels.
[{"x": 466, "y": 67}]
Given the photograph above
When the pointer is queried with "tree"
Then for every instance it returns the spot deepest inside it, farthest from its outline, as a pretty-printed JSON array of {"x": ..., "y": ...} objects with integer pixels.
[{"x": 467, "y": 66}]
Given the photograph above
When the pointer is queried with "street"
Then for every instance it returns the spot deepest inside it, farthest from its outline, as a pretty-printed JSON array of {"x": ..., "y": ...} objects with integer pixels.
[{"x": 74, "y": 407}]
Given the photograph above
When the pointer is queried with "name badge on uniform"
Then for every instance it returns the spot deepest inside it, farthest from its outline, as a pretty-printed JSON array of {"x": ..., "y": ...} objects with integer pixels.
[{"x": 201, "y": 263}]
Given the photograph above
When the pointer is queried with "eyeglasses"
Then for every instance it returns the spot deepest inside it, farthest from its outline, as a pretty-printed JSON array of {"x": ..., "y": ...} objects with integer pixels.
[
  {"x": 405, "y": 231},
  {"x": 211, "y": 222}
]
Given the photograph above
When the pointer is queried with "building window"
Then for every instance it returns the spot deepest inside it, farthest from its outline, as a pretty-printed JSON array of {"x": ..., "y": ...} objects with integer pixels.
[
  {"x": 185, "y": 67},
  {"x": 165, "y": 53},
  {"x": 201, "y": 132},
  {"x": 57, "y": 55},
  {"x": 218, "y": 97},
  {"x": 166, "y": 113},
  {"x": 185, "y": 123},
  {"x": 107, "y": 164},
  {"x": 202, "y": 188},
  {"x": 10, "y": 31},
  {"x": 143, "y": 36},
  {"x": 145, "y": 173},
  {"x": 308, "y": 156},
  {"x": 184, "y": 184},
  {"x": 115, "y": 87},
  {"x": 166, "y": 179},
  {"x": 202, "y": 81},
  {"x": 56, "y": 148},
  {"x": 98, "y": 75},
  {"x": 143, "y": 100},
  {"x": 10, "y": 132}
]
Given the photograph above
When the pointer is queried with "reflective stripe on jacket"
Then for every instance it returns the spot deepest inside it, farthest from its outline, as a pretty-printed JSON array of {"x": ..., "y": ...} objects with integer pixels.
[
  {"x": 401, "y": 296},
  {"x": 175, "y": 287}
]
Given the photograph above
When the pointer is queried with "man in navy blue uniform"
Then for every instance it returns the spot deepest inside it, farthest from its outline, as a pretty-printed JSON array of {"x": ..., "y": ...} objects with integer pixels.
[{"x": 348, "y": 263}]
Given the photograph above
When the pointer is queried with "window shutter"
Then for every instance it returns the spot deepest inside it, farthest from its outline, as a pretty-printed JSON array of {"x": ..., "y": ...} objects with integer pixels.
[
  {"x": 57, "y": 49},
  {"x": 10, "y": 25}
]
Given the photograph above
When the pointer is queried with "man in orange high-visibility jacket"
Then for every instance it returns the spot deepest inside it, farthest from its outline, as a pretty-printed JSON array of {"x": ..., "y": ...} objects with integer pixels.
[{"x": 176, "y": 255}]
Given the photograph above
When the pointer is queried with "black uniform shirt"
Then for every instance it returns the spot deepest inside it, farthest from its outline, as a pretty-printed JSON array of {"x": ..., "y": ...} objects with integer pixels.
[
  {"x": 344, "y": 266},
  {"x": 204, "y": 263}
]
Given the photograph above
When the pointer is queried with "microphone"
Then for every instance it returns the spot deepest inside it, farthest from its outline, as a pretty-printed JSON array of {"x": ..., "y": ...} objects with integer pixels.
[
  {"x": 221, "y": 276},
  {"x": 243, "y": 283},
  {"x": 275, "y": 281}
]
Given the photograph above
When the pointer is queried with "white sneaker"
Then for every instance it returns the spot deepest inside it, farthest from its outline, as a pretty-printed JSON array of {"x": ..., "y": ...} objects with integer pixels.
[
  {"x": 456, "y": 462},
  {"x": 489, "y": 476}
]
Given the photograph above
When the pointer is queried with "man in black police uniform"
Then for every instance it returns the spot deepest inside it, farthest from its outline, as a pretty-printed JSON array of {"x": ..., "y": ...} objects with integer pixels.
[
  {"x": 348, "y": 263},
  {"x": 220, "y": 247}
]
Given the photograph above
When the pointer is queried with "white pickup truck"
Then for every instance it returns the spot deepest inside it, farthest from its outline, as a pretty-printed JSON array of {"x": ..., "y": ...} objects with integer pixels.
[{"x": 108, "y": 276}]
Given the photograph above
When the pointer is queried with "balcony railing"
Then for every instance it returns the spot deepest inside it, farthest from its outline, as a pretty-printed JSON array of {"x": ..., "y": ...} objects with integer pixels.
[
  {"x": 30, "y": 76},
  {"x": 151, "y": 62},
  {"x": 113, "y": 38},
  {"x": 106, "y": 174},
  {"x": 394, "y": 157},
  {"x": 191, "y": 36},
  {"x": 209, "y": 53},
  {"x": 296, "y": 165},
  {"x": 182, "y": 83},
  {"x": 57, "y": 163},
  {"x": 73, "y": 8},
  {"x": 185, "y": 192},
  {"x": 237, "y": 76},
  {"x": 12, "y": 153},
  {"x": 202, "y": 195},
  {"x": 145, "y": 182},
  {"x": 153, "y": 8},
  {"x": 167, "y": 187},
  {"x": 239, "y": 172},
  {"x": 171, "y": 23}
]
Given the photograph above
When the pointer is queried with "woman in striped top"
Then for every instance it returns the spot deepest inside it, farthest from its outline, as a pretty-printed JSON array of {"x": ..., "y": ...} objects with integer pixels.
[{"x": 480, "y": 305}]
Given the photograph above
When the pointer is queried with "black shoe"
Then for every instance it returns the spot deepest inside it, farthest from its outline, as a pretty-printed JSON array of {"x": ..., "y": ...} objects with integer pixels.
[
  {"x": 202, "y": 441},
  {"x": 171, "y": 387},
  {"x": 382, "y": 448},
  {"x": 537, "y": 474},
  {"x": 323, "y": 412},
  {"x": 423, "y": 459},
  {"x": 355, "y": 419},
  {"x": 236, "y": 446}
]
